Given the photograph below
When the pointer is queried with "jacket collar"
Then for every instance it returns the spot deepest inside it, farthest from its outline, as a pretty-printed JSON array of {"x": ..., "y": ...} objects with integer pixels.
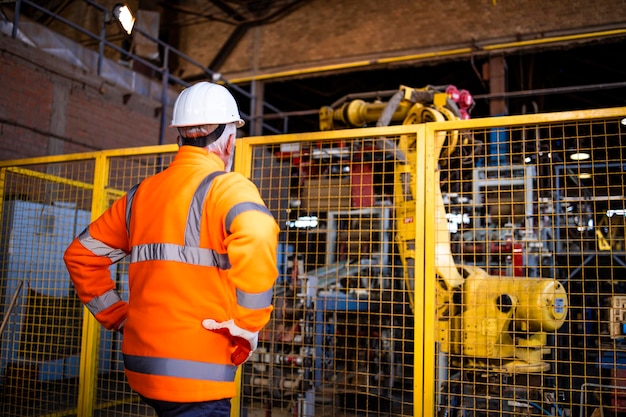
[{"x": 192, "y": 155}]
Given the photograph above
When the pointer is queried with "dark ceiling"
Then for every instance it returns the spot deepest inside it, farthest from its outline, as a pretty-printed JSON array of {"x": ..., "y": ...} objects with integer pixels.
[{"x": 570, "y": 77}]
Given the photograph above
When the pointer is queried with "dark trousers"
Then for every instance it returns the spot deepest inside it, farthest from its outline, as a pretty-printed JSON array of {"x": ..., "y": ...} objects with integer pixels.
[{"x": 215, "y": 408}]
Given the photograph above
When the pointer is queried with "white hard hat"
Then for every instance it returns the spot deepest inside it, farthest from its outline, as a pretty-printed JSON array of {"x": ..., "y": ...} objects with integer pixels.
[{"x": 205, "y": 103}]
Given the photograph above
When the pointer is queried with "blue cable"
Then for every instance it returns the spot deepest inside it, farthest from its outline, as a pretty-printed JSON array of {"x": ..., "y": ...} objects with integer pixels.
[{"x": 538, "y": 407}]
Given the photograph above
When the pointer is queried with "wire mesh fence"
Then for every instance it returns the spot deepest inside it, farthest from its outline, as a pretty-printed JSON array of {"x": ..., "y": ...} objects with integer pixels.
[
  {"x": 460, "y": 268},
  {"x": 539, "y": 328}
]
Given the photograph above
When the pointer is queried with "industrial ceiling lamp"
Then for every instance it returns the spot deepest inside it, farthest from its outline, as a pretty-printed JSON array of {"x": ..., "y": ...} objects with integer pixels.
[
  {"x": 579, "y": 156},
  {"x": 124, "y": 16}
]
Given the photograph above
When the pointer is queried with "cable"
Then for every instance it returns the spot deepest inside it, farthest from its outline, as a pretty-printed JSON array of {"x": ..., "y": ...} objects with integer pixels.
[{"x": 540, "y": 408}]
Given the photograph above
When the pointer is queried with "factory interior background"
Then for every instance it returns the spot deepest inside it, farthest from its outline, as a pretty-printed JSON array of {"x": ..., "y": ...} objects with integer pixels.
[{"x": 448, "y": 178}]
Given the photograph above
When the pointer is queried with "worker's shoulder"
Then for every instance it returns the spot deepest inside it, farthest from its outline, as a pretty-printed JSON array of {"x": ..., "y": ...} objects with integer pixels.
[
  {"x": 233, "y": 181},
  {"x": 232, "y": 177}
]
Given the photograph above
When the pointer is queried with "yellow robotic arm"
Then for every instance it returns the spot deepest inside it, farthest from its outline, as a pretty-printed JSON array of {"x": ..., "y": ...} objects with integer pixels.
[
  {"x": 500, "y": 322},
  {"x": 409, "y": 106}
]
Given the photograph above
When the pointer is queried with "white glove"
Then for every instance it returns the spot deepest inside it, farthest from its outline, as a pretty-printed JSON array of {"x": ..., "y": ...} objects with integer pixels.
[{"x": 245, "y": 341}]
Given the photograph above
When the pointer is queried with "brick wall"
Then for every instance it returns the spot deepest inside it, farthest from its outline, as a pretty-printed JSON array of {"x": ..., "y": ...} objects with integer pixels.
[
  {"x": 50, "y": 107},
  {"x": 325, "y": 32}
]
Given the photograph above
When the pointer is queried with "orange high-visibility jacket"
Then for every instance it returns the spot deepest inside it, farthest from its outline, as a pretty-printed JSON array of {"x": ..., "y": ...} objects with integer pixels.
[{"x": 198, "y": 249}]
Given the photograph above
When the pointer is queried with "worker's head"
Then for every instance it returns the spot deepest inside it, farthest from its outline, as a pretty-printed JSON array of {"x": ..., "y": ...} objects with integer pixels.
[{"x": 206, "y": 116}]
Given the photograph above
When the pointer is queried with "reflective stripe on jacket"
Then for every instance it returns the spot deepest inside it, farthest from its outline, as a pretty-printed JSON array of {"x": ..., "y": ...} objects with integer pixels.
[{"x": 201, "y": 246}]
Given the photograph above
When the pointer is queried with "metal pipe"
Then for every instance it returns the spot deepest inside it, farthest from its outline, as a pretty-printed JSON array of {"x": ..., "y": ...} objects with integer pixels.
[
  {"x": 165, "y": 76},
  {"x": 101, "y": 44},
  {"x": 5, "y": 319},
  {"x": 583, "y": 394},
  {"x": 18, "y": 6},
  {"x": 555, "y": 90}
]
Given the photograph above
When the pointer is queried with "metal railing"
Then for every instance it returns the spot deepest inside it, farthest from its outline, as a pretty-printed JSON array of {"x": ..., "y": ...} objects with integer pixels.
[{"x": 162, "y": 68}]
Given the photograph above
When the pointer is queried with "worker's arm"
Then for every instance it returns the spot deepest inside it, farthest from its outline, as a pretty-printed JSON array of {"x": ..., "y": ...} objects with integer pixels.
[
  {"x": 251, "y": 239},
  {"x": 88, "y": 259},
  {"x": 251, "y": 243},
  {"x": 252, "y": 254}
]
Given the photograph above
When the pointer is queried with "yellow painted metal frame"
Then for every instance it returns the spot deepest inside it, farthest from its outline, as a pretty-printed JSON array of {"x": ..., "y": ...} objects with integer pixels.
[
  {"x": 425, "y": 292},
  {"x": 425, "y": 295},
  {"x": 424, "y": 387},
  {"x": 91, "y": 328},
  {"x": 424, "y": 396},
  {"x": 91, "y": 331}
]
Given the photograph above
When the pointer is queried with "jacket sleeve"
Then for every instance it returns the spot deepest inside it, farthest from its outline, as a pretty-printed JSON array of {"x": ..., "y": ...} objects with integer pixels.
[
  {"x": 251, "y": 243},
  {"x": 88, "y": 259}
]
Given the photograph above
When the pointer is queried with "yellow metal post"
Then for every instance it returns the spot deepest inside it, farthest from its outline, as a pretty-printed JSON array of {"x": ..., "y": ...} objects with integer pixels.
[
  {"x": 421, "y": 380},
  {"x": 431, "y": 150},
  {"x": 243, "y": 165},
  {"x": 91, "y": 328}
]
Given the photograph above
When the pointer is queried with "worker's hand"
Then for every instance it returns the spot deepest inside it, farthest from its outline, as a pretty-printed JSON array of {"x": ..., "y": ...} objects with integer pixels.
[{"x": 245, "y": 341}]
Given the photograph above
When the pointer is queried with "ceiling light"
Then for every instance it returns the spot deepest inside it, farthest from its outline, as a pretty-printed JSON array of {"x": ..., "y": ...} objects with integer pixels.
[
  {"x": 584, "y": 175},
  {"x": 624, "y": 121},
  {"x": 124, "y": 16},
  {"x": 579, "y": 156}
]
